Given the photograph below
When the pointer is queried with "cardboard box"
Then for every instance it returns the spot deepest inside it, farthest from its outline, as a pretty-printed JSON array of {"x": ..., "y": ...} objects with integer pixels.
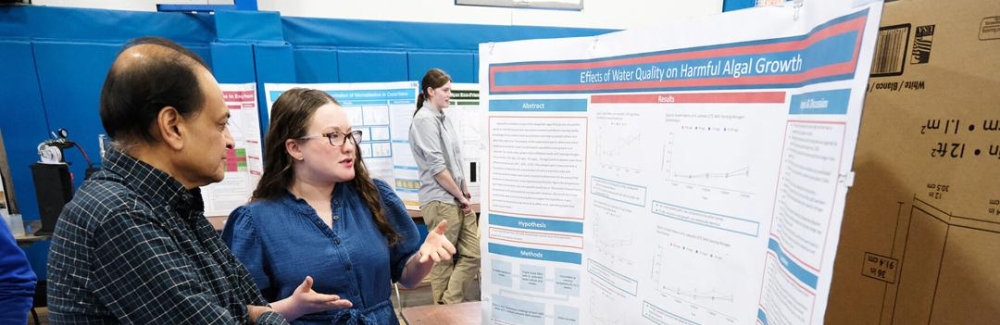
[{"x": 920, "y": 242}]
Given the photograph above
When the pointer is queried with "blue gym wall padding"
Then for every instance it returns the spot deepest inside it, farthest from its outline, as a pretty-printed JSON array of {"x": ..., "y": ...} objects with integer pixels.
[
  {"x": 412, "y": 35},
  {"x": 460, "y": 66},
  {"x": 22, "y": 121},
  {"x": 372, "y": 65},
  {"x": 274, "y": 64},
  {"x": 248, "y": 26},
  {"x": 232, "y": 63},
  {"x": 64, "y": 24},
  {"x": 73, "y": 105},
  {"x": 316, "y": 65}
]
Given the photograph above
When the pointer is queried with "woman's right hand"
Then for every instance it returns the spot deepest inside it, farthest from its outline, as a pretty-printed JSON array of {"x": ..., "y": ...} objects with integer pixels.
[{"x": 306, "y": 301}]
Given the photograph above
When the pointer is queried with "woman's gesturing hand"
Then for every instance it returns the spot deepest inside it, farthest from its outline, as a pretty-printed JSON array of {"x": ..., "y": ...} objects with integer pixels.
[
  {"x": 436, "y": 247},
  {"x": 306, "y": 301}
]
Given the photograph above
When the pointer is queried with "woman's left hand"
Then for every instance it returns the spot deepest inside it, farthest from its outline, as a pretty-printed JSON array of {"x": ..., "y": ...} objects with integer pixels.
[{"x": 436, "y": 247}]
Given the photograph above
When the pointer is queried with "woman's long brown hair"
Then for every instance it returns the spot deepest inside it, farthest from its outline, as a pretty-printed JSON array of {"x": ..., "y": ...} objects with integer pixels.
[{"x": 290, "y": 116}]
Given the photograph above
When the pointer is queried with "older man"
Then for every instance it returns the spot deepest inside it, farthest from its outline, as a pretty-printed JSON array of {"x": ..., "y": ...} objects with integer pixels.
[{"x": 133, "y": 246}]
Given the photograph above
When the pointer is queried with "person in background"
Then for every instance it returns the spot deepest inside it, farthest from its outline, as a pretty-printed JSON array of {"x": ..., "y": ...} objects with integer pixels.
[
  {"x": 317, "y": 211},
  {"x": 17, "y": 280},
  {"x": 133, "y": 246},
  {"x": 444, "y": 194}
]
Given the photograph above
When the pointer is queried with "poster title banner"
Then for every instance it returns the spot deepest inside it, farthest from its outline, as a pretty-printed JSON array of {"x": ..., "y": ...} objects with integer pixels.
[{"x": 828, "y": 53}]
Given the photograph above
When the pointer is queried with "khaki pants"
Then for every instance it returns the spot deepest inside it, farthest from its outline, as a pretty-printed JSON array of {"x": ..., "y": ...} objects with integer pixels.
[{"x": 448, "y": 278}]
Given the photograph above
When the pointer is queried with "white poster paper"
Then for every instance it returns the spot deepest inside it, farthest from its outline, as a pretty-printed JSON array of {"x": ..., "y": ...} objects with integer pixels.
[
  {"x": 468, "y": 116},
  {"x": 692, "y": 174}
]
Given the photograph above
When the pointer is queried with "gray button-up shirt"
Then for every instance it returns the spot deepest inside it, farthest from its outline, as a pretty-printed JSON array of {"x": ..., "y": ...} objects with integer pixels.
[{"x": 435, "y": 145}]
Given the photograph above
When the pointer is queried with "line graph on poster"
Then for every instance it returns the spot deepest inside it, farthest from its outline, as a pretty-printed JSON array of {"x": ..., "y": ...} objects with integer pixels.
[
  {"x": 681, "y": 287},
  {"x": 706, "y": 156},
  {"x": 611, "y": 232},
  {"x": 619, "y": 141}
]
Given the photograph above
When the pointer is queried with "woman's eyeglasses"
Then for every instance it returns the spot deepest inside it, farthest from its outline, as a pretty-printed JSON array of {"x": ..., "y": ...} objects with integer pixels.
[{"x": 336, "y": 138}]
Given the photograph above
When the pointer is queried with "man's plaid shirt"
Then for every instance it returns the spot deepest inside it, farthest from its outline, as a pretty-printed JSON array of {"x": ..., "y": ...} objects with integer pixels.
[{"x": 133, "y": 247}]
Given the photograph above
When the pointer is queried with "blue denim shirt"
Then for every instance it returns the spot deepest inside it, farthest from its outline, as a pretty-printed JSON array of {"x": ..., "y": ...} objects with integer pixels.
[
  {"x": 17, "y": 280},
  {"x": 283, "y": 241}
]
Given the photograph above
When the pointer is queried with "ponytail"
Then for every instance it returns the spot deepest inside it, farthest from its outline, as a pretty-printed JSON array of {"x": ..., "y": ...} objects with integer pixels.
[{"x": 420, "y": 102}]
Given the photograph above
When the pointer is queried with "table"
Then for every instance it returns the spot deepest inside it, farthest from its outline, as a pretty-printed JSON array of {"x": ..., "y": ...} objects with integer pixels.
[
  {"x": 218, "y": 222},
  {"x": 27, "y": 240},
  {"x": 458, "y": 314}
]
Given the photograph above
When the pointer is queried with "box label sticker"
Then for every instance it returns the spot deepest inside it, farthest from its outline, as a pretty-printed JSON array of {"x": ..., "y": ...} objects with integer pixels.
[
  {"x": 989, "y": 28},
  {"x": 880, "y": 268},
  {"x": 890, "y": 50},
  {"x": 922, "y": 44}
]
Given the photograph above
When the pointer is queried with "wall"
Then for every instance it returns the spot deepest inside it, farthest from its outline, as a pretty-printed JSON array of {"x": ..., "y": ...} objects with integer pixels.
[
  {"x": 136, "y": 5},
  {"x": 51, "y": 78},
  {"x": 611, "y": 14},
  {"x": 52, "y": 75}
]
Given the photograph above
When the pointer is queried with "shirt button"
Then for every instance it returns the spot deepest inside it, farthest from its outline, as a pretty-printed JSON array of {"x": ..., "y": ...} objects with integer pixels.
[
  {"x": 336, "y": 217},
  {"x": 336, "y": 241},
  {"x": 348, "y": 266}
]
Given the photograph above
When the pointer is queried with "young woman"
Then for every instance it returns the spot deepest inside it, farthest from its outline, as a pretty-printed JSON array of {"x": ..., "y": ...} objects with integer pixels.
[
  {"x": 316, "y": 212},
  {"x": 444, "y": 195}
]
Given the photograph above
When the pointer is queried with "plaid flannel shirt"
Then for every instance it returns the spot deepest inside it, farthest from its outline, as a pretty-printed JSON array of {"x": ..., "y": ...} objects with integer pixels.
[{"x": 134, "y": 247}]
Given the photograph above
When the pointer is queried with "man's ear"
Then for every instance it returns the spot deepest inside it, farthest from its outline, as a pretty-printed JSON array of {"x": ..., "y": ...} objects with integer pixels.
[
  {"x": 294, "y": 150},
  {"x": 170, "y": 126}
]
